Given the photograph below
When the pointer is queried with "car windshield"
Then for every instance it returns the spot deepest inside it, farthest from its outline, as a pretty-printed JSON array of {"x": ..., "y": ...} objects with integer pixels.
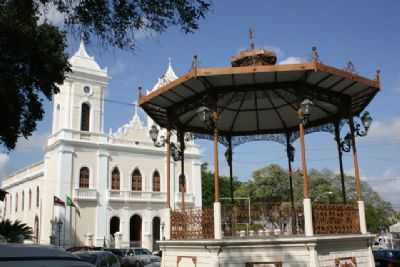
[
  {"x": 142, "y": 251},
  {"x": 91, "y": 258}
]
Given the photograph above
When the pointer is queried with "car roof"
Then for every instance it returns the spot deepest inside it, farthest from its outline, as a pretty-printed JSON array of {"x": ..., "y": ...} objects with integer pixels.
[{"x": 28, "y": 250}]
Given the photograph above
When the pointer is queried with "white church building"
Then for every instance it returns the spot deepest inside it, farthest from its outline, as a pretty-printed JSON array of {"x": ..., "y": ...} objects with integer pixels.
[{"x": 117, "y": 180}]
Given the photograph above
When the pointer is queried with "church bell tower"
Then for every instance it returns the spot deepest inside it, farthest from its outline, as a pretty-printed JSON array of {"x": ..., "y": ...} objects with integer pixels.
[{"x": 79, "y": 105}]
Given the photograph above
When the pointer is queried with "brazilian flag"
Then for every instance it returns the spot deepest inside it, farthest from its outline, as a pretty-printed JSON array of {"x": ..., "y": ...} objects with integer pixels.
[{"x": 70, "y": 203}]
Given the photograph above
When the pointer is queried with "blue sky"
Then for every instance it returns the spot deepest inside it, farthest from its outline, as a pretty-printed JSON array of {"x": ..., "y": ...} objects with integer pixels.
[{"x": 364, "y": 31}]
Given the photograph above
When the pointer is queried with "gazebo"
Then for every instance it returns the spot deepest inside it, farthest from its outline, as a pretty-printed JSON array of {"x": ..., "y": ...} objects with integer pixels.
[{"x": 253, "y": 100}]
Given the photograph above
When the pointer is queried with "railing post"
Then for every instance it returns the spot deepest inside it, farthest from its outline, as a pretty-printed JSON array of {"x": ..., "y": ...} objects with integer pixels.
[
  {"x": 360, "y": 201},
  {"x": 307, "y": 206}
]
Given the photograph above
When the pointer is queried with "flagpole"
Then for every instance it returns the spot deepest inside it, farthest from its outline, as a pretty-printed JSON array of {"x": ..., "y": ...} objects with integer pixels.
[{"x": 70, "y": 225}]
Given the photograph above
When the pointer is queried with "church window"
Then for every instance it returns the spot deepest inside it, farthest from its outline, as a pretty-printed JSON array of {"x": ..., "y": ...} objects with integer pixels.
[
  {"x": 156, "y": 181},
  {"x": 136, "y": 180},
  {"x": 86, "y": 90},
  {"x": 10, "y": 204},
  {"x": 23, "y": 201},
  {"x": 37, "y": 196},
  {"x": 84, "y": 177},
  {"x": 85, "y": 117},
  {"x": 30, "y": 199},
  {"x": 16, "y": 202},
  {"x": 115, "y": 180}
]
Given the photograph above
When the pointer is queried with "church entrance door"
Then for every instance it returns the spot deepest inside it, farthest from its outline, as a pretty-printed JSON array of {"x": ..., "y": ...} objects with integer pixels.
[{"x": 135, "y": 227}]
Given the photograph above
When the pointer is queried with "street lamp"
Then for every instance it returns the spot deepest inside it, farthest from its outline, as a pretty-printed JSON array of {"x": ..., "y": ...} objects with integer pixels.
[
  {"x": 205, "y": 115},
  {"x": 305, "y": 111},
  {"x": 159, "y": 140},
  {"x": 366, "y": 121}
]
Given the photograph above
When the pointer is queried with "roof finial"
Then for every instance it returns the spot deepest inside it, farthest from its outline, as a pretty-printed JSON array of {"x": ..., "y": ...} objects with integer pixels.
[
  {"x": 251, "y": 38},
  {"x": 378, "y": 75},
  {"x": 314, "y": 54},
  {"x": 350, "y": 67}
]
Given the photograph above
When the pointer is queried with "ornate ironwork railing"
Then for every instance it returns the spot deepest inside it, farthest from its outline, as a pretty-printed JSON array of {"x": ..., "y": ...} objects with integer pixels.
[
  {"x": 194, "y": 223},
  {"x": 335, "y": 218},
  {"x": 261, "y": 219}
]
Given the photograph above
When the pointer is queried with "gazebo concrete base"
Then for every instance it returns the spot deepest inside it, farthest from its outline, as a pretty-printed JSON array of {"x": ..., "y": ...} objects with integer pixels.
[{"x": 321, "y": 251}]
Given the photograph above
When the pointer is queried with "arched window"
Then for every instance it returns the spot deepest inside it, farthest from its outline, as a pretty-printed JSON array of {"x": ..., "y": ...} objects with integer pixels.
[
  {"x": 156, "y": 181},
  {"x": 16, "y": 202},
  {"x": 37, "y": 196},
  {"x": 136, "y": 180},
  {"x": 85, "y": 117},
  {"x": 10, "y": 203},
  {"x": 84, "y": 177},
  {"x": 23, "y": 201},
  {"x": 30, "y": 199},
  {"x": 115, "y": 179}
]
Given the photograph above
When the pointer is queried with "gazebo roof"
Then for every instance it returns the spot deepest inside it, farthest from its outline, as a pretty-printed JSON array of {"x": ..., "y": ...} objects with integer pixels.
[{"x": 259, "y": 99}]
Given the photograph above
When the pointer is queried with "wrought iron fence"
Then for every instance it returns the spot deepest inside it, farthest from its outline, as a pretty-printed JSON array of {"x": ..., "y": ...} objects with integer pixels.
[
  {"x": 194, "y": 223},
  {"x": 335, "y": 218},
  {"x": 261, "y": 219}
]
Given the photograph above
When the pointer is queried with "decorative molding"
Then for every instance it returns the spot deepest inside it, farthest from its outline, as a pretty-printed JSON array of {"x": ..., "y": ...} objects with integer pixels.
[{"x": 346, "y": 262}]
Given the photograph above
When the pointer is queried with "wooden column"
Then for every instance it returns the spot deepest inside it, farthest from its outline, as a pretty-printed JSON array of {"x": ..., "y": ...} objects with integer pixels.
[
  {"x": 355, "y": 161},
  {"x": 168, "y": 141},
  {"x": 303, "y": 162},
  {"x": 216, "y": 169},
  {"x": 340, "y": 155}
]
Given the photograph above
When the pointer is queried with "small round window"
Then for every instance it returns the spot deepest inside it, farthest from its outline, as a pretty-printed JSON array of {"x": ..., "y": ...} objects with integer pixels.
[{"x": 86, "y": 90}]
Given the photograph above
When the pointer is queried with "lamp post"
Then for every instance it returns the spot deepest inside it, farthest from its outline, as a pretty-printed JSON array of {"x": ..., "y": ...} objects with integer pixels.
[
  {"x": 304, "y": 113},
  {"x": 59, "y": 226},
  {"x": 174, "y": 150}
]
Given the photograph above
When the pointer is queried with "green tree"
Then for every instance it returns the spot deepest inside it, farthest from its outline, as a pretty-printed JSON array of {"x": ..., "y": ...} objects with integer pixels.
[
  {"x": 32, "y": 58},
  {"x": 15, "y": 231},
  {"x": 271, "y": 183},
  {"x": 207, "y": 183}
]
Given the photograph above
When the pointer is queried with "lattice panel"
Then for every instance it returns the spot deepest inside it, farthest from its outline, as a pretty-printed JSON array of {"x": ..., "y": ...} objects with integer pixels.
[
  {"x": 192, "y": 224},
  {"x": 335, "y": 219}
]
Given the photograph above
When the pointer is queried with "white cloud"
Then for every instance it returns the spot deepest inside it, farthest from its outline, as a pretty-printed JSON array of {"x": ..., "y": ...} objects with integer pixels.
[
  {"x": 293, "y": 60},
  {"x": 387, "y": 185},
  {"x": 385, "y": 130},
  {"x": 50, "y": 14},
  {"x": 5, "y": 166},
  {"x": 278, "y": 51},
  {"x": 35, "y": 142}
]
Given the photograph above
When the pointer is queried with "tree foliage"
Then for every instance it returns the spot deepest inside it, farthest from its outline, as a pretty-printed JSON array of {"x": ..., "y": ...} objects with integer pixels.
[
  {"x": 32, "y": 58},
  {"x": 271, "y": 184},
  {"x": 15, "y": 231},
  {"x": 207, "y": 182}
]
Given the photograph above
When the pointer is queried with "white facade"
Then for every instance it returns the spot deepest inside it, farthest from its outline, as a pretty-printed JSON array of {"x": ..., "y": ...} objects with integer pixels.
[{"x": 79, "y": 145}]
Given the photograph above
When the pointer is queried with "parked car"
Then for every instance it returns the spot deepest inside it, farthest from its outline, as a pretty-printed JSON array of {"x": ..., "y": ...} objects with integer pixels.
[
  {"x": 16, "y": 255},
  {"x": 387, "y": 258},
  {"x": 99, "y": 258},
  {"x": 121, "y": 253},
  {"x": 140, "y": 257},
  {"x": 83, "y": 248}
]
